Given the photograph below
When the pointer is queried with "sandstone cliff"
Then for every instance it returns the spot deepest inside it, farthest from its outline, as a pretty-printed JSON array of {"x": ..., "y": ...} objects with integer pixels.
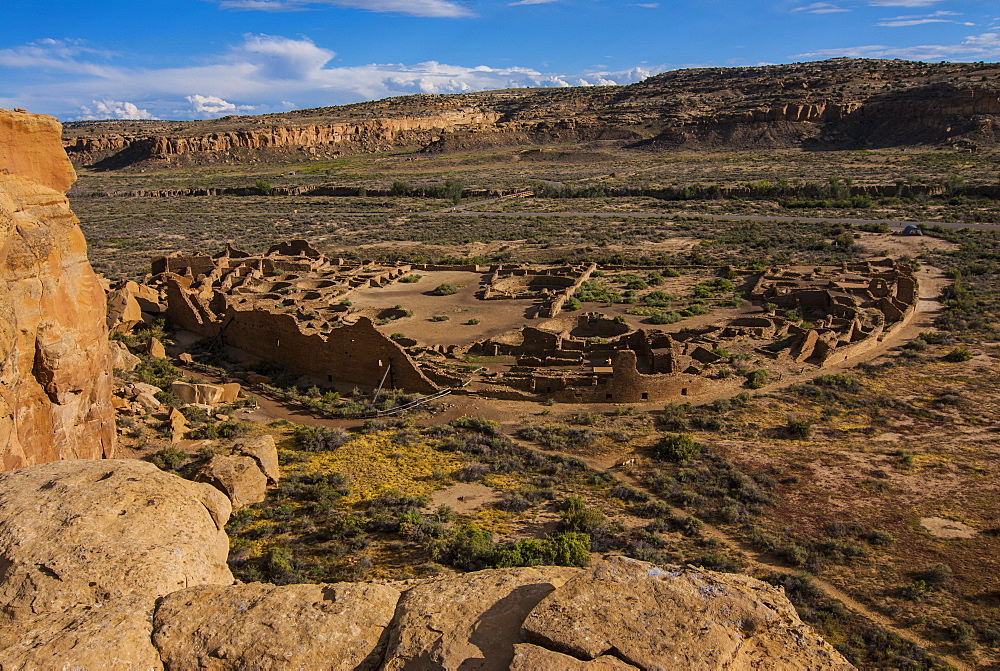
[
  {"x": 55, "y": 381},
  {"x": 117, "y": 565},
  {"x": 841, "y": 103}
]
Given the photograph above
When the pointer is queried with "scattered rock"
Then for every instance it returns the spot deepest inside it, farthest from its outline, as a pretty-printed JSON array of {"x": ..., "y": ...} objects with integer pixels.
[
  {"x": 142, "y": 387},
  {"x": 262, "y": 626},
  {"x": 148, "y": 400},
  {"x": 262, "y": 450},
  {"x": 468, "y": 621},
  {"x": 945, "y": 528},
  {"x": 256, "y": 378},
  {"x": 186, "y": 358},
  {"x": 677, "y": 618},
  {"x": 80, "y": 532},
  {"x": 156, "y": 349},
  {"x": 122, "y": 358},
  {"x": 237, "y": 477},
  {"x": 178, "y": 425},
  {"x": 123, "y": 311}
]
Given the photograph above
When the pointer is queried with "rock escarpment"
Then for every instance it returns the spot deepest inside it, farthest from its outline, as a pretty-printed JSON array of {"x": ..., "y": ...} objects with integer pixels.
[
  {"x": 114, "y": 564},
  {"x": 840, "y": 103},
  {"x": 55, "y": 384}
]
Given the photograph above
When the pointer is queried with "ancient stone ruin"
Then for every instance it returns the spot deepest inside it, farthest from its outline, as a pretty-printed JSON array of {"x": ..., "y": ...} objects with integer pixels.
[{"x": 293, "y": 306}]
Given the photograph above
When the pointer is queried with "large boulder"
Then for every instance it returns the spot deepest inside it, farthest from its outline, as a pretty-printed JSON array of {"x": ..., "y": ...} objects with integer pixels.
[
  {"x": 676, "y": 618},
  {"x": 205, "y": 394},
  {"x": 78, "y": 533},
  {"x": 121, "y": 358},
  {"x": 238, "y": 477},
  {"x": 468, "y": 621},
  {"x": 262, "y": 450},
  {"x": 124, "y": 312},
  {"x": 55, "y": 364},
  {"x": 262, "y": 626}
]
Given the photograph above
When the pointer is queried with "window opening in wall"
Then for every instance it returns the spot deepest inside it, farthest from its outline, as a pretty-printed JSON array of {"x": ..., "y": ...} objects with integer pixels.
[
  {"x": 607, "y": 396},
  {"x": 645, "y": 396},
  {"x": 684, "y": 391}
]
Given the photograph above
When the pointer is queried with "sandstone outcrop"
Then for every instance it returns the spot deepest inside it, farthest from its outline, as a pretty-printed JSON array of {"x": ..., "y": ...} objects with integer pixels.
[
  {"x": 114, "y": 634},
  {"x": 124, "y": 312},
  {"x": 116, "y": 564},
  {"x": 262, "y": 450},
  {"x": 206, "y": 394},
  {"x": 239, "y": 478},
  {"x": 471, "y": 621},
  {"x": 676, "y": 618},
  {"x": 263, "y": 626},
  {"x": 80, "y": 532},
  {"x": 55, "y": 385}
]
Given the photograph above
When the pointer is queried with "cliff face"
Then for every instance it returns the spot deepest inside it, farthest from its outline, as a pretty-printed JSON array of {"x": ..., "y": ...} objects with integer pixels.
[
  {"x": 365, "y": 136},
  {"x": 55, "y": 381},
  {"x": 842, "y": 103}
]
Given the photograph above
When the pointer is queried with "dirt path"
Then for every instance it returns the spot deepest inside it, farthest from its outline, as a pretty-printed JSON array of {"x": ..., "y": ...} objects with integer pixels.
[{"x": 758, "y": 562}]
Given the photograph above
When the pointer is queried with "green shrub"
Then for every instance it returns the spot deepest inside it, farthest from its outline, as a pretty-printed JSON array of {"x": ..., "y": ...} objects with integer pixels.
[
  {"x": 757, "y": 378},
  {"x": 446, "y": 289},
  {"x": 799, "y": 428},
  {"x": 958, "y": 355},
  {"x": 665, "y": 317},
  {"x": 677, "y": 447},
  {"x": 476, "y": 424},
  {"x": 169, "y": 459},
  {"x": 320, "y": 438},
  {"x": 582, "y": 519},
  {"x": 571, "y": 305},
  {"x": 410, "y": 279},
  {"x": 222, "y": 430}
]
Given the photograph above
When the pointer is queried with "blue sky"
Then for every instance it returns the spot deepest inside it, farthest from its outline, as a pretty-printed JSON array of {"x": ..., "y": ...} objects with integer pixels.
[{"x": 190, "y": 59}]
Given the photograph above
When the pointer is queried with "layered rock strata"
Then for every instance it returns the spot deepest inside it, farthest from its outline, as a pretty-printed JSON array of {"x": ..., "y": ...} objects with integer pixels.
[
  {"x": 838, "y": 103},
  {"x": 55, "y": 381}
]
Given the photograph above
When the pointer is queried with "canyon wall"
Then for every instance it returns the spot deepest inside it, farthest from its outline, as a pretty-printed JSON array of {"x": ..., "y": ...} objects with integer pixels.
[
  {"x": 55, "y": 380},
  {"x": 837, "y": 104}
]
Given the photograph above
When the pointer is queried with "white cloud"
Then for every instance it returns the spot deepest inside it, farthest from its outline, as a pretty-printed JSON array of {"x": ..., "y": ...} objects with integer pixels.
[
  {"x": 428, "y": 8},
  {"x": 263, "y": 74},
  {"x": 820, "y": 8},
  {"x": 982, "y": 47},
  {"x": 113, "y": 109},
  {"x": 67, "y": 56},
  {"x": 920, "y": 19},
  {"x": 283, "y": 58},
  {"x": 211, "y": 105},
  {"x": 903, "y": 3},
  {"x": 530, "y": 2}
]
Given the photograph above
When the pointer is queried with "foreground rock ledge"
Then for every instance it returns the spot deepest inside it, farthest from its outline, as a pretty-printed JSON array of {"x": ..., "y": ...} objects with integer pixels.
[
  {"x": 80, "y": 532},
  {"x": 117, "y": 565}
]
